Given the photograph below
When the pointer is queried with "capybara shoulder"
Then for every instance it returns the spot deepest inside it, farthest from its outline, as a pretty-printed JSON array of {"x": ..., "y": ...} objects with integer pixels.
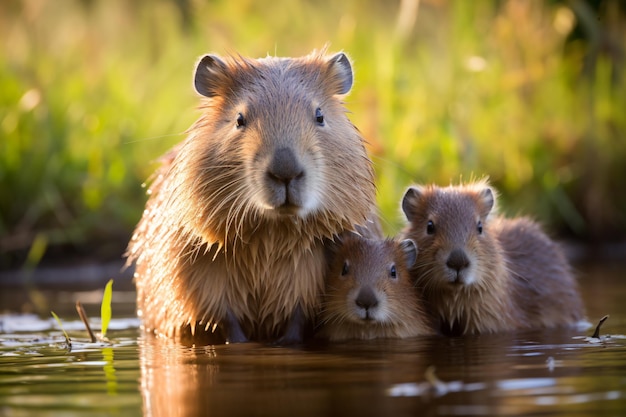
[
  {"x": 232, "y": 234},
  {"x": 369, "y": 292},
  {"x": 481, "y": 272}
]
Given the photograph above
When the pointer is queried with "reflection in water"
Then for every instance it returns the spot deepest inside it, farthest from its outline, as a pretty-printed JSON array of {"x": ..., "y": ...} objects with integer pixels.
[
  {"x": 558, "y": 372},
  {"x": 250, "y": 379},
  {"x": 174, "y": 379},
  {"x": 529, "y": 373},
  {"x": 109, "y": 370},
  {"x": 40, "y": 376}
]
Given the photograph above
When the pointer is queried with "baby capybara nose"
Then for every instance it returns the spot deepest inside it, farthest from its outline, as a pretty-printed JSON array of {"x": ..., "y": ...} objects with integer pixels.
[
  {"x": 366, "y": 298},
  {"x": 457, "y": 260}
]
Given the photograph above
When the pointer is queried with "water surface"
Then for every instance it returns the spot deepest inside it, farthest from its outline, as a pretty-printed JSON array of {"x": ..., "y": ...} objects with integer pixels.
[{"x": 556, "y": 372}]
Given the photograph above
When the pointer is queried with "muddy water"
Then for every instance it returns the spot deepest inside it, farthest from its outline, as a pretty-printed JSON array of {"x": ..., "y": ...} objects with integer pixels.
[{"x": 531, "y": 373}]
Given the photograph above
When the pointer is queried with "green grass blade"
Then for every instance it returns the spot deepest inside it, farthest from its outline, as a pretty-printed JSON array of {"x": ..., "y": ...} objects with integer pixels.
[
  {"x": 105, "y": 307},
  {"x": 67, "y": 338}
]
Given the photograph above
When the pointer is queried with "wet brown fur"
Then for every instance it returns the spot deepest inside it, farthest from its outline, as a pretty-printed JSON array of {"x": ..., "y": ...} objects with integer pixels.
[
  {"x": 521, "y": 278},
  {"x": 208, "y": 245},
  {"x": 398, "y": 313}
]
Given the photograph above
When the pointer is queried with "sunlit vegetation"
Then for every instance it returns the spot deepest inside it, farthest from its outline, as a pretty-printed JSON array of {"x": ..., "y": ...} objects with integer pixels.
[{"x": 531, "y": 94}]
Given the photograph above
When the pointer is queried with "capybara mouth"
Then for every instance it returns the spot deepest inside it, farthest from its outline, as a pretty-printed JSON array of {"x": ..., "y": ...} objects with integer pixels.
[
  {"x": 457, "y": 280},
  {"x": 288, "y": 209},
  {"x": 368, "y": 318}
]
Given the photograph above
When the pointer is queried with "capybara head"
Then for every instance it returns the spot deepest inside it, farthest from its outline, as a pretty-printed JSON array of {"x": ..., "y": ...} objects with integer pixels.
[
  {"x": 368, "y": 282},
  {"x": 274, "y": 144},
  {"x": 451, "y": 227}
]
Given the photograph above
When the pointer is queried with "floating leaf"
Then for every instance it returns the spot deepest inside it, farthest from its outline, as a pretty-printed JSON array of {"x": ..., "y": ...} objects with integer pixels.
[{"x": 105, "y": 307}]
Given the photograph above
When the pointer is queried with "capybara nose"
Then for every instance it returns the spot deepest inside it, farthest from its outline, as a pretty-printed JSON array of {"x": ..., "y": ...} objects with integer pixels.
[
  {"x": 457, "y": 260},
  {"x": 366, "y": 298},
  {"x": 284, "y": 167}
]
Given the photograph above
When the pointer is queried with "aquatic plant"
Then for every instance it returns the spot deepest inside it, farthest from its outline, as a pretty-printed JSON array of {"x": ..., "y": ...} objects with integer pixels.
[
  {"x": 67, "y": 338},
  {"x": 105, "y": 316},
  {"x": 105, "y": 309}
]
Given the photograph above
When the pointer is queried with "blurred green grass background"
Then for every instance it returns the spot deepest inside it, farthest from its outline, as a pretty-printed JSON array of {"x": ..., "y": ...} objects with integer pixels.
[{"x": 530, "y": 93}]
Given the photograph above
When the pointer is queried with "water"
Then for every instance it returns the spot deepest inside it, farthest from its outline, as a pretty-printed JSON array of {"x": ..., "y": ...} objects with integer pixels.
[{"x": 531, "y": 373}]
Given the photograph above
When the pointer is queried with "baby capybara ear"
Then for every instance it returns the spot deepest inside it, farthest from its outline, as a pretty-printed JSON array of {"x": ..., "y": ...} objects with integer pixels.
[
  {"x": 340, "y": 71},
  {"x": 210, "y": 76},
  {"x": 409, "y": 248},
  {"x": 487, "y": 201},
  {"x": 410, "y": 201}
]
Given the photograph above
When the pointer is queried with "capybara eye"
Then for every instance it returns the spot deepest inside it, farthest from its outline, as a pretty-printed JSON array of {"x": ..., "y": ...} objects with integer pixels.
[
  {"x": 345, "y": 269},
  {"x": 430, "y": 227},
  {"x": 480, "y": 227},
  {"x": 319, "y": 117},
  {"x": 240, "y": 121},
  {"x": 392, "y": 272}
]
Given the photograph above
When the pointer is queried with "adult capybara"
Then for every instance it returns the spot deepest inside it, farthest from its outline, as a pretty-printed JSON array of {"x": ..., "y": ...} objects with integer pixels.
[{"x": 231, "y": 243}]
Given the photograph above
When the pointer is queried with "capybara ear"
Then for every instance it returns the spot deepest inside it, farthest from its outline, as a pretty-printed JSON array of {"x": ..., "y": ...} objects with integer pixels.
[
  {"x": 487, "y": 200},
  {"x": 209, "y": 77},
  {"x": 341, "y": 72},
  {"x": 410, "y": 202},
  {"x": 409, "y": 248}
]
